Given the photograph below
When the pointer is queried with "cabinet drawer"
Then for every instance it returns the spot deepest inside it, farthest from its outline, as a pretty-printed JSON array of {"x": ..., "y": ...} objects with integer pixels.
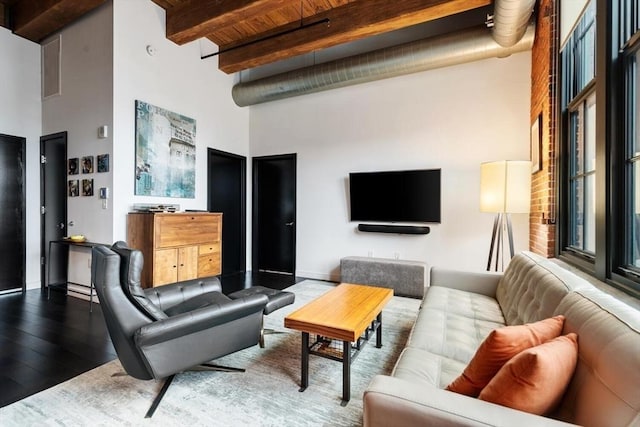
[
  {"x": 209, "y": 265},
  {"x": 209, "y": 249},
  {"x": 177, "y": 230}
]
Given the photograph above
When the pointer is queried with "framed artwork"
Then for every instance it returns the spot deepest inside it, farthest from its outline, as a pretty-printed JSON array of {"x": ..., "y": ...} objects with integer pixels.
[
  {"x": 536, "y": 145},
  {"x": 103, "y": 162},
  {"x": 73, "y": 166},
  {"x": 165, "y": 153},
  {"x": 74, "y": 189},
  {"x": 87, "y": 164},
  {"x": 87, "y": 187}
]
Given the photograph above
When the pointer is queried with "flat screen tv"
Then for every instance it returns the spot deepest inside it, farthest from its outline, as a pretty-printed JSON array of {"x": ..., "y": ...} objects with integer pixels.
[{"x": 395, "y": 196}]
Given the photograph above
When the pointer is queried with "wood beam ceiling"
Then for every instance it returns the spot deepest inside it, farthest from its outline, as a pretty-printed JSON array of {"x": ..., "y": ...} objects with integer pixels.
[
  {"x": 35, "y": 20},
  {"x": 4, "y": 21},
  {"x": 250, "y": 33},
  {"x": 194, "y": 19}
]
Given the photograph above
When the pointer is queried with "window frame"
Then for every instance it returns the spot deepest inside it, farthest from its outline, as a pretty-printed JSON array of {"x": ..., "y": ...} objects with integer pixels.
[{"x": 617, "y": 35}]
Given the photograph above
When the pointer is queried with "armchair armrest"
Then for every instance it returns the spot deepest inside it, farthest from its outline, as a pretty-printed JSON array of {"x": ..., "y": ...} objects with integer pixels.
[
  {"x": 198, "y": 320},
  {"x": 484, "y": 282},
  {"x": 390, "y": 401},
  {"x": 167, "y": 296}
]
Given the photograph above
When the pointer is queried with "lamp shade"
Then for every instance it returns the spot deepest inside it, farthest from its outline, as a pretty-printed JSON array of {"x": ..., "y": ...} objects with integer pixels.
[{"x": 505, "y": 186}]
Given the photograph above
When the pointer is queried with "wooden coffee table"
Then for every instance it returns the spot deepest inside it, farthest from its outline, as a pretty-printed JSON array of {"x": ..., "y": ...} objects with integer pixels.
[{"x": 348, "y": 313}]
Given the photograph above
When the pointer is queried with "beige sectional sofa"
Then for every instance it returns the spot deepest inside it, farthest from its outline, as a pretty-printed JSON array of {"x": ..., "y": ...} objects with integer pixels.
[{"x": 460, "y": 309}]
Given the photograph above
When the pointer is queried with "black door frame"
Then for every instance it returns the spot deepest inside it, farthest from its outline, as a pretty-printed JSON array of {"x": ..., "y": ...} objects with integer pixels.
[
  {"x": 255, "y": 229},
  {"x": 44, "y": 245},
  {"x": 23, "y": 143},
  {"x": 243, "y": 199}
]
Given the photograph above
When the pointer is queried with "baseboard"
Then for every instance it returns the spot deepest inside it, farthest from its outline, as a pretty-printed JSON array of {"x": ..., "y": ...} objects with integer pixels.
[{"x": 327, "y": 277}]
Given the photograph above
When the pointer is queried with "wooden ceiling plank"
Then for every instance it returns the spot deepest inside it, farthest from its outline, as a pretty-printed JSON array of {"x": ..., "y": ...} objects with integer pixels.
[
  {"x": 194, "y": 19},
  {"x": 35, "y": 20},
  {"x": 350, "y": 22}
]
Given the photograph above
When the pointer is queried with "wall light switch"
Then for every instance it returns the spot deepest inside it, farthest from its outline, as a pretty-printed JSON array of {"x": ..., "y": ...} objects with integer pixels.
[{"x": 103, "y": 132}]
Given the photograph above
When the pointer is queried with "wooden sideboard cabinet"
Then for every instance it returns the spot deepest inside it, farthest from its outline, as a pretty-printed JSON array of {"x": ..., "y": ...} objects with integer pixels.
[{"x": 176, "y": 246}]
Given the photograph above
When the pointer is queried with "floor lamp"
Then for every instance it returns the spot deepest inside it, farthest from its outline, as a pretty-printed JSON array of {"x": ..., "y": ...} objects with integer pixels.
[{"x": 505, "y": 188}]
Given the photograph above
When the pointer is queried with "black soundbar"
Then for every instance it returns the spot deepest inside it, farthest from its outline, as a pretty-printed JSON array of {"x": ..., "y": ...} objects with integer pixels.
[{"x": 395, "y": 229}]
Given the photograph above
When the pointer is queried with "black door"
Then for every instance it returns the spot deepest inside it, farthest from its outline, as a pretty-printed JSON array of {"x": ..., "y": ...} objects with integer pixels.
[
  {"x": 274, "y": 214},
  {"x": 12, "y": 209},
  {"x": 227, "y": 175},
  {"x": 53, "y": 205}
]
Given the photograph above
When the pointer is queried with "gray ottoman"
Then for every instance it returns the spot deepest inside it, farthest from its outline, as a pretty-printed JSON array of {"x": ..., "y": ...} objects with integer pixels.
[
  {"x": 277, "y": 299},
  {"x": 405, "y": 277}
]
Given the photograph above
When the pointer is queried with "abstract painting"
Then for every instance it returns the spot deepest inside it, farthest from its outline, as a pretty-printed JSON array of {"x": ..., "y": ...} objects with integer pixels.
[{"x": 165, "y": 153}]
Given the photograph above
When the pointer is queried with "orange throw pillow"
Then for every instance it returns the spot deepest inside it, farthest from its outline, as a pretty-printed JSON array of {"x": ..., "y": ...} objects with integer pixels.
[
  {"x": 498, "y": 348},
  {"x": 535, "y": 380}
]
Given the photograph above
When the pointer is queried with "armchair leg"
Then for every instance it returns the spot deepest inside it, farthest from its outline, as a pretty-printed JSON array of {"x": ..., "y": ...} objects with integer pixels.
[
  {"x": 159, "y": 397},
  {"x": 212, "y": 367}
]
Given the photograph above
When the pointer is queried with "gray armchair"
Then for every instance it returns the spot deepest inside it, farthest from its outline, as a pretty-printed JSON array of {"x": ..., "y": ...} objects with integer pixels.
[{"x": 151, "y": 328}]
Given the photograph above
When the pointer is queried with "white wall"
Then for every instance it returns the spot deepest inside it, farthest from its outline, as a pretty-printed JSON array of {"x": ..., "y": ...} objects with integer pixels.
[
  {"x": 453, "y": 118},
  {"x": 21, "y": 115},
  {"x": 84, "y": 105},
  {"x": 176, "y": 79}
]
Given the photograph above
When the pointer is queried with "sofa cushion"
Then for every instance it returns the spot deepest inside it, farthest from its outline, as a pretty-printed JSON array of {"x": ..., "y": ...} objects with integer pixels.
[
  {"x": 498, "y": 348},
  {"x": 420, "y": 365},
  {"x": 532, "y": 287},
  {"x": 535, "y": 379},
  {"x": 467, "y": 304},
  {"x": 449, "y": 334}
]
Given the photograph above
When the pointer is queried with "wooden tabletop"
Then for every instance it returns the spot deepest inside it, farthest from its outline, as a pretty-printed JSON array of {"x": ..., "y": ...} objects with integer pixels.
[{"x": 342, "y": 313}]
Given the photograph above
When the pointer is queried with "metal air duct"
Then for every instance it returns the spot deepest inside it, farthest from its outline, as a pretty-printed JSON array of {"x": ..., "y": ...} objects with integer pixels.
[
  {"x": 510, "y": 20},
  {"x": 511, "y": 34}
]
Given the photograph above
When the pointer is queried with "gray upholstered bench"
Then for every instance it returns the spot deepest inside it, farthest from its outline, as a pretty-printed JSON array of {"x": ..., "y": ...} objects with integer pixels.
[{"x": 406, "y": 278}]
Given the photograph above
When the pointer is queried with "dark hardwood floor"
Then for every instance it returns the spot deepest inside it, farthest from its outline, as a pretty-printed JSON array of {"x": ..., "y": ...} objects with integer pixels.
[{"x": 44, "y": 342}]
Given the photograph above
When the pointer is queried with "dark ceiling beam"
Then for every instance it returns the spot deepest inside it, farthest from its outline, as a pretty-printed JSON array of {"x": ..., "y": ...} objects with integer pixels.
[
  {"x": 350, "y": 22},
  {"x": 4, "y": 16},
  {"x": 35, "y": 20},
  {"x": 195, "y": 19}
]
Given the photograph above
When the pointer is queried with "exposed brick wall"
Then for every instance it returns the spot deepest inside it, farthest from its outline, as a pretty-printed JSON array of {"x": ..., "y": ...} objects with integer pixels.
[{"x": 544, "y": 66}]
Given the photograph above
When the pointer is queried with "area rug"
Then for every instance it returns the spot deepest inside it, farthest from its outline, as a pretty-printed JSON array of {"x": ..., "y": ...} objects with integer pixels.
[{"x": 265, "y": 395}]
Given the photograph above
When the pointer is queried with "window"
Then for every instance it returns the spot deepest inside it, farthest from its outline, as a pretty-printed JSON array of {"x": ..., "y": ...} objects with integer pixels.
[
  {"x": 631, "y": 264},
  {"x": 582, "y": 210},
  {"x": 600, "y": 110},
  {"x": 579, "y": 110}
]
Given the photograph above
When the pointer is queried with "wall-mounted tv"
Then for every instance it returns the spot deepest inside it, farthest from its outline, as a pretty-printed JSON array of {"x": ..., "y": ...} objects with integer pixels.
[{"x": 395, "y": 196}]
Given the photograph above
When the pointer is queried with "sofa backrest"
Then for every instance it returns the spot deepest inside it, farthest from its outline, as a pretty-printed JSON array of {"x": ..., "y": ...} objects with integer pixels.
[
  {"x": 532, "y": 287},
  {"x": 605, "y": 388}
]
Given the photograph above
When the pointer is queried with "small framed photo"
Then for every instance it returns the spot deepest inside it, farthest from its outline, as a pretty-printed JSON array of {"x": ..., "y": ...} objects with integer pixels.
[
  {"x": 103, "y": 163},
  {"x": 74, "y": 188},
  {"x": 87, "y": 164},
  {"x": 73, "y": 167},
  {"x": 536, "y": 145},
  {"x": 87, "y": 187}
]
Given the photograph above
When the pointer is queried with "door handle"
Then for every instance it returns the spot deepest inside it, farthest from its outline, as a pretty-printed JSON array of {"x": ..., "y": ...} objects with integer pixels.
[
  {"x": 61, "y": 226},
  {"x": 289, "y": 224}
]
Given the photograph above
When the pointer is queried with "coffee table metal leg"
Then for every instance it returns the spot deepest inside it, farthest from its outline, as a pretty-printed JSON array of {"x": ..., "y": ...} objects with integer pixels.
[
  {"x": 346, "y": 372},
  {"x": 379, "y": 333},
  {"x": 304, "y": 380}
]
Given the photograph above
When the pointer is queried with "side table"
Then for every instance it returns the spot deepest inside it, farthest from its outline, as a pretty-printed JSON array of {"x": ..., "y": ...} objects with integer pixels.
[{"x": 67, "y": 243}]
